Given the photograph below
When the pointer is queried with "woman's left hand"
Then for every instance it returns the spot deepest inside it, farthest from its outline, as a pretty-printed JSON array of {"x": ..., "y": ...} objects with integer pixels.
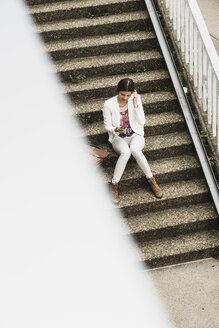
[{"x": 135, "y": 94}]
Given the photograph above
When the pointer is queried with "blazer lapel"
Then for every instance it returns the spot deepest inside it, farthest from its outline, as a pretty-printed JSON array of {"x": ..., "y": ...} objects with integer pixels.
[{"x": 117, "y": 111}]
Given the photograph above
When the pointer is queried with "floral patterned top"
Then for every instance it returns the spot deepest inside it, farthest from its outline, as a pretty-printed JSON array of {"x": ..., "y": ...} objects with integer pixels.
[{"x": 124, "y": 122}]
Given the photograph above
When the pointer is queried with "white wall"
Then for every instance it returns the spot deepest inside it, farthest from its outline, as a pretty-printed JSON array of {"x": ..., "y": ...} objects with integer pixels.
[{"x": 64, "y": 261}]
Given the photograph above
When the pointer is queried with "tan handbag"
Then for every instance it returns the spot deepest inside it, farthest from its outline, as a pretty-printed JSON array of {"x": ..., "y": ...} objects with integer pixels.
[{"x": 98, "y": 154}]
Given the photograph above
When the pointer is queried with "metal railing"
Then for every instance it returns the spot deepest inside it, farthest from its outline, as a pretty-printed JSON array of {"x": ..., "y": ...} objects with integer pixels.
[
  {"x": 183, "y": 101},
  {"x": 200, "y": 56}
]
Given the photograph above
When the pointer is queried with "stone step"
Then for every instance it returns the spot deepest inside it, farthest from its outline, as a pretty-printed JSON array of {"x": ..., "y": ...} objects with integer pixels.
[
  {"x": 105, "y": 87},
  {"x": 76, "y": 28},
  {"x": 101, "y": 45},
  {"x": 179, "y": 249},
  {"x": 64, "y": 10},
  {"x": 175, "y": 194},
  {"x": 70, "y": 70},
  {"x": 157, "y": 147},
  {"x": 39, "y": 2},
  {"x": 156, "y": 124},
  {"x": 165, "y": 170},
  {"x": 173, "y": 221},
  {"x": 154, "y": 102}
]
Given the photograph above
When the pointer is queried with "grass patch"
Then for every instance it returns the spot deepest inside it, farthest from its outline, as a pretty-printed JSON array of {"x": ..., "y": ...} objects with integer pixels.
[{"x": 77, "y": 78}]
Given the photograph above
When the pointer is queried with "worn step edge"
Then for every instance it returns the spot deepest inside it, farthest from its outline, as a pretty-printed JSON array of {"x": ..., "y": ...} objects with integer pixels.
[
  {"x": 154, "y": 102},
  {"x": 174, "y": 194},
  {"x": 157, "y": 147},
  {"x": 87, "y": 46},
  {"x": 89, "y": 9},
  {"x": 187, "y": 247},
  {"x": 86, "y": 22},
  {"x": 102, "y": 60},
  {"x": 164, "y": 170},
  {"x": 152, "y": 120},
  {"x": 69, "y": 33},
  {"x": 173, "y": 221},
  {"x": 156, "y": 124},
  {"x": 110, "y": 64},
  {"x": 106, "y": 86},
  {"x": 129, "y": 66},
  {"x": 41, "y": 2},
  {"x": 50, "y": 6},
  {"x": 112, "y": 81}
]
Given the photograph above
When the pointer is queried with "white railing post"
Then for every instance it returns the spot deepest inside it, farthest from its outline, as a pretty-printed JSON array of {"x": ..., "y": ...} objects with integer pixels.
[
  {"x": 182, "y": 25},
  {"x": 178, "y": 19},
  {"x": 191, "y": 48},
  {"x": 174, "y": 14},
  {"x": 195, "y": 50},
  {"x": 214, "y": 112},
  {"x": 182, "y": 18},
  {"x": 218, "y": 119},
  {"x": 204, "y": 81},
  {"x": 186, "y": 33},
  {"x": 171, "y": 9},
  {"x": 209, "y": 92},
  {"x": 200, "y": 68}
]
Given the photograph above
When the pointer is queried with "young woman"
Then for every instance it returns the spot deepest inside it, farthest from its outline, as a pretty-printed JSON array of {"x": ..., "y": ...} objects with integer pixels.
[{"x": 124, "y": 121}]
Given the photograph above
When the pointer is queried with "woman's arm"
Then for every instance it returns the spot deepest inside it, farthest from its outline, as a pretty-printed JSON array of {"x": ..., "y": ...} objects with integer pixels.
[
  {"x": 107, "y": 119},
  {"x": 138, "y": 109}
]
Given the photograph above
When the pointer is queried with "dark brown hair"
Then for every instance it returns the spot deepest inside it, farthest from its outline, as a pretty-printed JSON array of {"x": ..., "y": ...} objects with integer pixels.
[{"x": 126, "y": 85}]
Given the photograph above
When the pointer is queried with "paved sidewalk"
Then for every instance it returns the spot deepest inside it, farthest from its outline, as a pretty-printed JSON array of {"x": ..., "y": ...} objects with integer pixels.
[
  {"x": 190, "y": 293},
  {"x": 210, "y": 12}
]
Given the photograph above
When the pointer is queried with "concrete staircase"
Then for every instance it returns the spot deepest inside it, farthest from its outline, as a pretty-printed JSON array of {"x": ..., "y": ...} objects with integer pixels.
[{"x": 95, "y": 43}]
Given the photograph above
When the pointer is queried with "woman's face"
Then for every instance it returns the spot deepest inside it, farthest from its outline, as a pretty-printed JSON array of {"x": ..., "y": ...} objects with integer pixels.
[{"x": 124, "y": 96}]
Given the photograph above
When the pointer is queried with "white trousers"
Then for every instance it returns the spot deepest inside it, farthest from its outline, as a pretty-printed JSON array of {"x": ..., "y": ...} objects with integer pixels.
[{"x": 125, "y": 147}]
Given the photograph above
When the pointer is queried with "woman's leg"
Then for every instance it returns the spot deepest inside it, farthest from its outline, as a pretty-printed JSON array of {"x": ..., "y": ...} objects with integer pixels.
[
  {"x": 136, "y": 146},
  {"x": 121, "y": 148}
]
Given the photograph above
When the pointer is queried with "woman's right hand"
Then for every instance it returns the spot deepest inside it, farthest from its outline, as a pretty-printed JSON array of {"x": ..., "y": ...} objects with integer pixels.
[{"x": 119, "y": 130}]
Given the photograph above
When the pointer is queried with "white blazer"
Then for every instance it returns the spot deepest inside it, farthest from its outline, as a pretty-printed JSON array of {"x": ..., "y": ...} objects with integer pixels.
[{"x": 111, "y": 116}]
